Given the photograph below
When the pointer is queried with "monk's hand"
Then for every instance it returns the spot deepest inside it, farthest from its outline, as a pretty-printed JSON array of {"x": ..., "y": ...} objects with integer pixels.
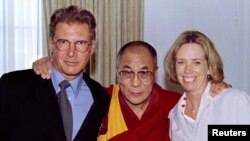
[
  {"x": 218, "y": 87},
  {"x": 42, "y": 67}
]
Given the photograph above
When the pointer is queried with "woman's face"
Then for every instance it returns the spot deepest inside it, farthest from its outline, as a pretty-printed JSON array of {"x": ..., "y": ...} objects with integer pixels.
[{"x": 192, "y": 68}]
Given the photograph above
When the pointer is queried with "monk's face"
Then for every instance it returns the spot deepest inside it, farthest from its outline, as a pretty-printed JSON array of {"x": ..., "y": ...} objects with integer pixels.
[{"x": 136, "y": 76}]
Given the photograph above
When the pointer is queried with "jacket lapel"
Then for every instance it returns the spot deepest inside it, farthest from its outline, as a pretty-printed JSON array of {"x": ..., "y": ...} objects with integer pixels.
[{"x": 48, "y": 105}]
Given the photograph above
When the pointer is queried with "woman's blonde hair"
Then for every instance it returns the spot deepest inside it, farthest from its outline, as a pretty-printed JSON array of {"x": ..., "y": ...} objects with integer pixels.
[{"x": 212, "y": 57}]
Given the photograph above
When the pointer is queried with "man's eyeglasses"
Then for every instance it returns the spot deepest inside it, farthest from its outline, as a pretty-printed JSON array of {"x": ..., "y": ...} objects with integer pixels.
[
  {"x": 129, "y": 75},
  {"x": 64, "y": 45}
]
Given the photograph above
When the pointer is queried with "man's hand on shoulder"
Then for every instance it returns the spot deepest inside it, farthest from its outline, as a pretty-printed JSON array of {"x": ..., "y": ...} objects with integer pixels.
[
  {"x": 42, "y": 67},
  {"x": 217, "y": 87}
]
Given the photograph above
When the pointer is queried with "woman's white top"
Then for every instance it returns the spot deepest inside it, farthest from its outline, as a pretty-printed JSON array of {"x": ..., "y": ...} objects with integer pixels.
[{"x": 231, "y": 106}]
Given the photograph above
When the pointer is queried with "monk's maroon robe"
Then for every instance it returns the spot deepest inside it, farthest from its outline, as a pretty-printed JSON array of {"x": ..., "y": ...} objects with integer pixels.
[{"x": 154, "y": 123}]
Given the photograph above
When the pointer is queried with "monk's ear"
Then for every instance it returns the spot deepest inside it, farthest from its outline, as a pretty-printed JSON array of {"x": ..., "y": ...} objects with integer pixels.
[{"x": 156, "y": 71}]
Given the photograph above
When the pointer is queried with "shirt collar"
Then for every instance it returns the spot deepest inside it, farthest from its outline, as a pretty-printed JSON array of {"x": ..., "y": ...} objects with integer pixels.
[
  {"x": 57, "y": 77},
  {"x": 205, "y": 97}
]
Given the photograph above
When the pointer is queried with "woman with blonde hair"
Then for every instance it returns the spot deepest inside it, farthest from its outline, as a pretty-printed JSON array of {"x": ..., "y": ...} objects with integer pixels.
[{"x": 194, "y": 63}]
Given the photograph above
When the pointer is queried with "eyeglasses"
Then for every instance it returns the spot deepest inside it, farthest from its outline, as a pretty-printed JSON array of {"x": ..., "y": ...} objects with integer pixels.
[
  {"x": 129, "y": 75},
  {"x": 63, "y": 45}
]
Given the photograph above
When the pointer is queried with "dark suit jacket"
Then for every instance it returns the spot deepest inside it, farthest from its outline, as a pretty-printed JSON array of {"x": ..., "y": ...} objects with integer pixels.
[{"x": 29, "y": 110}]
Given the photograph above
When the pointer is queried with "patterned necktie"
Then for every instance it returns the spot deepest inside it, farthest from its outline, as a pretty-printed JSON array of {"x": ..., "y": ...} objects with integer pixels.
[{"x": 66, "y": 110}]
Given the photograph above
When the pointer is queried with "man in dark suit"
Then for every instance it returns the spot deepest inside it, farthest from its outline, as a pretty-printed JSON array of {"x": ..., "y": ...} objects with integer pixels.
[{"x": 29, "y": 108}]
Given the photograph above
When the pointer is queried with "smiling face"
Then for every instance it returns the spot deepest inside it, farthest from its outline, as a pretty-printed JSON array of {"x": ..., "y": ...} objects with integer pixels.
[
  {"x": 192, "y": 68},
  {"x": 71, "y": 63},
  {"x": 135, "y": 90}
]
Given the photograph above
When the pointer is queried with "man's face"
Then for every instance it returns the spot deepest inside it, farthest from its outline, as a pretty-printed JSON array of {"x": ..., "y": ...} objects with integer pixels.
[
  {"x": 71, "y": 62},
  {"x": 136, "y": 89}
]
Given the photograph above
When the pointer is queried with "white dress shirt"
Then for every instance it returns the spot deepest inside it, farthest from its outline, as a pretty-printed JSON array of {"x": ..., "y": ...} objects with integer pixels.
[{"x": 231, "y": 106}]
